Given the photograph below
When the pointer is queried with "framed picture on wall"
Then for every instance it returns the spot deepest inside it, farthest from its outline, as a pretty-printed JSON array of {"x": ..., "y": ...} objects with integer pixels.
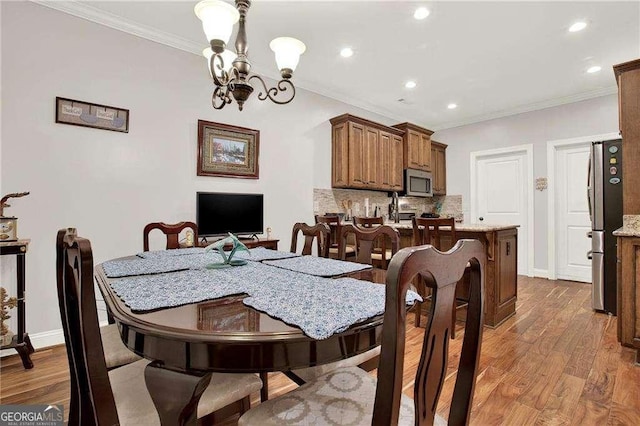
[
  {"x": 228, "y": 151},
  {"x": 87, "y": 114}
]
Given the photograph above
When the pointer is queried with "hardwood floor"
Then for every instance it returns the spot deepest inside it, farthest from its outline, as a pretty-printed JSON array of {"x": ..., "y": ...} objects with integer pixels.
[{"x": 555, "y": 362}]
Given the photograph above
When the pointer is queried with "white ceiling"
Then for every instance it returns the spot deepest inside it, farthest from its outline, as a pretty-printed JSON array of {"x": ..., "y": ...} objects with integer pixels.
[{"x": 491, "y": 58}]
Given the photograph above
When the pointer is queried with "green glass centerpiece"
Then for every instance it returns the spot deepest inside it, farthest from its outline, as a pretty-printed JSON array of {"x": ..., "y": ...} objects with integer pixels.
[{"x": 227, "y": 260}]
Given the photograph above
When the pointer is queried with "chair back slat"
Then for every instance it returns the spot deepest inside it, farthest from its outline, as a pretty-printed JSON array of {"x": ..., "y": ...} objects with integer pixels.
[
  {"x": 319, "y": 232},
  {"x": 440, "y": 272},
  {"x": 92, "y": 399},
  {"x": 172, "y": 231}
]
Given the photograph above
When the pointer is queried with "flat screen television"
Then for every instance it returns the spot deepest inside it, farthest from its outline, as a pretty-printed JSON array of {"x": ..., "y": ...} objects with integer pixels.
[{"x": 219, "y": 213}]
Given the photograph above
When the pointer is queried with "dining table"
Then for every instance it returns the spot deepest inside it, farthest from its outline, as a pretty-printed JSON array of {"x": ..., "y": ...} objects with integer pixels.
[{"x": 187, "y": 342}]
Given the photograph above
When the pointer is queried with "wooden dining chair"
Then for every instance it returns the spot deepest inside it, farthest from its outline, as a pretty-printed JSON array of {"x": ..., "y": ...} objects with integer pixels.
[
  {"x": 380, "y": 254},
  {"x": 428, "y": 231},
  {"x": 366, "y": 239},
  {"x": 172, "y": 231},
  {"x": 335, "y": 226},
  {"x": 118, "y": 396},
  {"x": 319, "y": 232},
  {"x": 351, "y": 396}
]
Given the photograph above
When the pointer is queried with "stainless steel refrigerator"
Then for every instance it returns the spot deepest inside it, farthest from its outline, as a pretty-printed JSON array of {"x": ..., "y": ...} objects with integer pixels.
[{"x": 605, "y": 209}]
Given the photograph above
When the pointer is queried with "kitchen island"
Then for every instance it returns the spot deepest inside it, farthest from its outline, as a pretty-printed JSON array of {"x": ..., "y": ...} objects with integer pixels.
[{"x": 500, "y": 270}]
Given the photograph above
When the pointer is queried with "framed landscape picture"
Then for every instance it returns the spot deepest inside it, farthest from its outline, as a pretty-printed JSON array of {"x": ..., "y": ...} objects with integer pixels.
[{"x": 227, "y": 151}]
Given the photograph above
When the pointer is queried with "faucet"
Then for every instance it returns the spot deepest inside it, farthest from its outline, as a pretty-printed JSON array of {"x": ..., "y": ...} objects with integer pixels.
[{"x": 394, "y": 212}]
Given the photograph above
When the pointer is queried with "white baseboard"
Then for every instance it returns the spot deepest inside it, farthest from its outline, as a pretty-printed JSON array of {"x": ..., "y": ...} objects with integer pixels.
[
  {"x": 40, "y": 340},
  {"x": 540, "y": 273},
  {"x": 43, "y": 340}
]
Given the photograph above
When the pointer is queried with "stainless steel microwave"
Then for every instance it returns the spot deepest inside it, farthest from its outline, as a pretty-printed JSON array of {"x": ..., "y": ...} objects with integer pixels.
[{"x": 418, "y": 183}]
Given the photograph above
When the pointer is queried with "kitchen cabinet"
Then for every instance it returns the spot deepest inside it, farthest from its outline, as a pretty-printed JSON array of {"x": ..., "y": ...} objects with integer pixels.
[
  {"x": 628, "y": 78},
  {"x": 365, "y": 154},
  {"x": 417, "y": 146},
  {"x": 439, "y": 167},
  {"x": 629, "y": 292}
]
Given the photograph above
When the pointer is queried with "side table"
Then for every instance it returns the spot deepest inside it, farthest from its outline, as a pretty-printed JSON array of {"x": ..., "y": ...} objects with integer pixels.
[{"x": 20, "y": 341}]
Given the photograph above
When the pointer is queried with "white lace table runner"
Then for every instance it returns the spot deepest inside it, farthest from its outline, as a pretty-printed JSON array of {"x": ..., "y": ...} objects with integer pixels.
[
  {"x": 319, "y": 306},
  {"x": 319, "y": 266}
]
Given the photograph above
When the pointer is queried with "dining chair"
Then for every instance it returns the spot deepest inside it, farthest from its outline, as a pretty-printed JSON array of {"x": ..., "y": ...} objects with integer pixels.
[
  {"x": 319, "y": 232},
  {"x": 351, "y": 396},
  {"x": 172, "y": 231},
  {"x": 428, "y": 231},
  {"x": 335, "y": 226},
  {"x": 119, "y": 396},
  {"x": 381, "y": 255},
  {"x": 365, "y": 241}
]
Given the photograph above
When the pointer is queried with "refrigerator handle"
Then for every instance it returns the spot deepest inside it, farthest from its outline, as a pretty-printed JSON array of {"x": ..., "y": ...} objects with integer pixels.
[{"x": 589, "y": 188}]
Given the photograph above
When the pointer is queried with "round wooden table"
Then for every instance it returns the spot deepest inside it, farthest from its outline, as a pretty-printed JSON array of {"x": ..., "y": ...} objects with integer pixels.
[{"x": 185, "y": 344}]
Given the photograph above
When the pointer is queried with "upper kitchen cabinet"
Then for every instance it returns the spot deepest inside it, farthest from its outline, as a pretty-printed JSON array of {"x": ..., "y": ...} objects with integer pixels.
[
  {"x": 628, "y": 77},
  {"x": 417, "y": 146},
  {"x": 439, "y": 167},
  {"x": 365, "y": 154}
]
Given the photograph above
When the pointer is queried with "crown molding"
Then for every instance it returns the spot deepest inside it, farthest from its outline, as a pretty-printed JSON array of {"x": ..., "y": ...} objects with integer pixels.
[
  {"x": 98, "y": 16},
  {"x": 535, "y": 106}
]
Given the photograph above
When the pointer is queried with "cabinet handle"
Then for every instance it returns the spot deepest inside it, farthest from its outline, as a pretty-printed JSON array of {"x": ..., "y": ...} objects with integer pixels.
[{"x": 508, "y": 247}]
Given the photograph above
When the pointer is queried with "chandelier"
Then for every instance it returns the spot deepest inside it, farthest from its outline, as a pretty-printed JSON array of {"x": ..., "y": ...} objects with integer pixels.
[{"x": 229, "y": 70}]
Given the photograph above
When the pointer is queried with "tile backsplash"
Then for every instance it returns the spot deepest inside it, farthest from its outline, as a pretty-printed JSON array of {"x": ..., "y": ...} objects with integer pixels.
[{"x": 337, "y": 201}]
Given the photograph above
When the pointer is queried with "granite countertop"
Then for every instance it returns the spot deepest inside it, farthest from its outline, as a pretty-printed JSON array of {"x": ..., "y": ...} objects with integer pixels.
[
  {"x": 630, "y": 227},
  {"x": 470, "y": 227},
  {"x": 627, "y": 231}
]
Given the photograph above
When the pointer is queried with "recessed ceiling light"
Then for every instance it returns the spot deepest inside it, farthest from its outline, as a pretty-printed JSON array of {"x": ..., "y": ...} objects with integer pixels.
[
  {"x": 410, "y": 84},
  {"x": 421, "y": 13},
  {"x": 347, "y": 52},
  {"x": 594, "y": 69},
  {"x": 452, "y": 106},
  {"x": 578, "y": 26}
]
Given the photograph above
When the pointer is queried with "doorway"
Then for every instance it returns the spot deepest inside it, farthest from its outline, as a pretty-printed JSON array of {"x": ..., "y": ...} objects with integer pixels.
[
  {"x": 502, "y": 194},
  {"x": 568, "y": 209}
]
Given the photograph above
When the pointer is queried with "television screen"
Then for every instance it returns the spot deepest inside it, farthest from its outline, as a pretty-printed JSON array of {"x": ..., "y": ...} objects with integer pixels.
[{"x": 220, "y": 213}]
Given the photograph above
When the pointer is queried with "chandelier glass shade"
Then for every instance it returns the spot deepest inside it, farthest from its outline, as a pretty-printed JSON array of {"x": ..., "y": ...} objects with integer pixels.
[{"x": 230, "y": 70}]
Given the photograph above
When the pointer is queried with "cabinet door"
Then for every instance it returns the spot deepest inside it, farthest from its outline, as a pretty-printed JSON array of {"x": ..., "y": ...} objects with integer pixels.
[
  {"x": 395, "y": 164},
  {"x": 357, "y": 156},
  {"x": 506, "y": 267},
  {"x": 439, "y": 170},
  {"x": 371, "y": 156},
  {"x": 385, "y": 161},
  {"x": 415, "y": 156},
  {"x": 340, "y": 156},
  {"x": 425, "y": 151}
]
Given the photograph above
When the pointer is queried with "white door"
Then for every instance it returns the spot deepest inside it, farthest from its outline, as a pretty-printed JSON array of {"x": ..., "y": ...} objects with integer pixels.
[
  {"x": 502, "y": 194},
  {"x": 572, "y": 213}
]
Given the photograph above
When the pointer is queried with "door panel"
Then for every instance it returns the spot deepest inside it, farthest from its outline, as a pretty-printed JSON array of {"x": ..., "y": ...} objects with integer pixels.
[
  {"x": 501, "y": 196},
  {"x": 572, "y": 214}
]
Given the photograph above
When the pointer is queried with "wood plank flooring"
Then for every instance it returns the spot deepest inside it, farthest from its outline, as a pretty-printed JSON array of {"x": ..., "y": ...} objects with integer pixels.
[{"x": 555, "y": 362}]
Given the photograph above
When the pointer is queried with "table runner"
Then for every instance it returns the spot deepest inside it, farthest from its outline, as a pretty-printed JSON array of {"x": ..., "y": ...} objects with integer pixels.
[
  {"x": 319, "y": 266},
  {"x": 158, "y": 262},
  {"x": 172, "y": 252},
  {"x": 319, "y": 306}
]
